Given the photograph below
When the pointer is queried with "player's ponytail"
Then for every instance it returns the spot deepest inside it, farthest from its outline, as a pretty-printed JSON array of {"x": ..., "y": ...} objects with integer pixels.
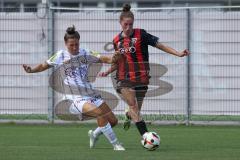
[
  {"x": 126, "y": 7},
  {"x": 71, "y": 33},
  {"x": 126, "y": 12}
]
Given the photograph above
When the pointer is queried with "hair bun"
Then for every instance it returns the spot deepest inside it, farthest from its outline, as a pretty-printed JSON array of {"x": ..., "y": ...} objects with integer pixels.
[
  {"x": 126, "y": 7},
  {"x": 71, "y": 30}
]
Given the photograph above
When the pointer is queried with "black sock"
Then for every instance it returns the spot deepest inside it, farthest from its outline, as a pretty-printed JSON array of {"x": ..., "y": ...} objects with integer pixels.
[{"x": 141, "y": 126}]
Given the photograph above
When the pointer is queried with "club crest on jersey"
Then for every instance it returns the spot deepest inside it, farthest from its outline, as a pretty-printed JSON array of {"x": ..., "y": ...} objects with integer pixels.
[
  {"x": 82, "y": 59},
  {"x": 134, "y": 40}
]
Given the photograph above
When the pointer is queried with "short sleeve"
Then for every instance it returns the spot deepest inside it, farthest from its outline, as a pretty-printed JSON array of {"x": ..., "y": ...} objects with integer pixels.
[
  {"x": 54, "y": 59},
  {"x": 149, "y": 39},
  {"x": 93, "y": 57}
]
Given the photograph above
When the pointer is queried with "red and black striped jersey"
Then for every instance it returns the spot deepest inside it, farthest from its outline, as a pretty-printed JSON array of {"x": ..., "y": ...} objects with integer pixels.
[{"x": 134, "y": 64}]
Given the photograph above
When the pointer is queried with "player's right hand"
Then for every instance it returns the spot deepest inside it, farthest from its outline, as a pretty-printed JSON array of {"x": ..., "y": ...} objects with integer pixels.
[
  {"x": 27, "y": 68},
  {"x": 102, "y": 74}
]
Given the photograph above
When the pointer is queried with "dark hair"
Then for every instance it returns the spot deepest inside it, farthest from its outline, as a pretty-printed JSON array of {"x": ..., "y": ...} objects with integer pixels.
[
  {"x": 71, "y": 33},
  {"x": 126, "y": 13}
]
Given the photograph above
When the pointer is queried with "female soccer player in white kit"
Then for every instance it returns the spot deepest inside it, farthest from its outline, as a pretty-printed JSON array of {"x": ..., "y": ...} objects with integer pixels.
[{"x": 89, "y": 102}]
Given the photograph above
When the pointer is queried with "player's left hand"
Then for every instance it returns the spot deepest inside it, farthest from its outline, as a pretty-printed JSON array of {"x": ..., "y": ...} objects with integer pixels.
[{"x": 184, "y": 53}]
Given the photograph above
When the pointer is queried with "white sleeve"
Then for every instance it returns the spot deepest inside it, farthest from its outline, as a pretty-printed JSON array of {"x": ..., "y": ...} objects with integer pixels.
[
  {"x": 93, "y": 57},
  {"x": 54, "y": 59}
]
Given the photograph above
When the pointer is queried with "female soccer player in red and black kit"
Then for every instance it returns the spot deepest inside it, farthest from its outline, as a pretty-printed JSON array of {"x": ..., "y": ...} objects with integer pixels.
[{"x": 132, "y": 65}]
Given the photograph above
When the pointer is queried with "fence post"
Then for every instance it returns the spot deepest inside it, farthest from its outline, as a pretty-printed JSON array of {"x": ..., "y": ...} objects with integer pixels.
[
  {"x": 188, "y": 67},
  {"x": 50, "y": 21}
]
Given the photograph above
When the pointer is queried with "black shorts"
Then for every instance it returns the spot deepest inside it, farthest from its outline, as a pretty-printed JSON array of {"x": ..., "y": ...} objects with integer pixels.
[{"x": 140, "y": 88}]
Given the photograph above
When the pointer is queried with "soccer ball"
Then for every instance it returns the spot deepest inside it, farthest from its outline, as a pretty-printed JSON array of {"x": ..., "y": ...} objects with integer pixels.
[{"x": 151, "y": 141}]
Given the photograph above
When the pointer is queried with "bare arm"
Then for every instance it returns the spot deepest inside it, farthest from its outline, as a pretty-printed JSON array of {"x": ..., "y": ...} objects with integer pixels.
[
  {"x": 171, "y": 50},
  {"x": 39, "y": 68},
  {"x": 110, "y": 70},
  {"x": 113, "y": 59},
  {"x": 110, "y": 59},
  {"x": 106, "y": 59}
]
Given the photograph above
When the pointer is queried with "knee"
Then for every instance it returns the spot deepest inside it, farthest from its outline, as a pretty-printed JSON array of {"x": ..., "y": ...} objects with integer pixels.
[
  {"x": 134, "y": 107},
  {"x": 132, "y": 103}
]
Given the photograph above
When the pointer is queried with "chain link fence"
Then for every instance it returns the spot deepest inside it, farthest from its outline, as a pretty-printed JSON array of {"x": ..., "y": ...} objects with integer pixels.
[{"x": 203, "y": 87}]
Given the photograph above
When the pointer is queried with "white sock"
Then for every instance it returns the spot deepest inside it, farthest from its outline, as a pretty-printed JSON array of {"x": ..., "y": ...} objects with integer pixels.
[
  {"x": 97, "y": 132},
  {"x": 109, "y": 134}
]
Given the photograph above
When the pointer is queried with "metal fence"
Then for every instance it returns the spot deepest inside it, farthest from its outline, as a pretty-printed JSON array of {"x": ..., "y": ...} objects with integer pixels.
[{"x": 203, "y": 87}]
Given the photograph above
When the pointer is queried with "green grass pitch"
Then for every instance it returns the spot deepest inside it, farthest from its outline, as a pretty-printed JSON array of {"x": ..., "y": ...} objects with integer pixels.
[{"x": 70, "y": 142}]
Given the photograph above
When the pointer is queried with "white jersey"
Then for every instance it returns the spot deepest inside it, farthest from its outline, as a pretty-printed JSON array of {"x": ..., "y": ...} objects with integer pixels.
[{"x": 76, "y": 69}]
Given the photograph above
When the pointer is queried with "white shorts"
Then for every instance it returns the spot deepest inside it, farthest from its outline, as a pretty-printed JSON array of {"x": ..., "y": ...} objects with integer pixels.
[{"x": 77, "y": 105}]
